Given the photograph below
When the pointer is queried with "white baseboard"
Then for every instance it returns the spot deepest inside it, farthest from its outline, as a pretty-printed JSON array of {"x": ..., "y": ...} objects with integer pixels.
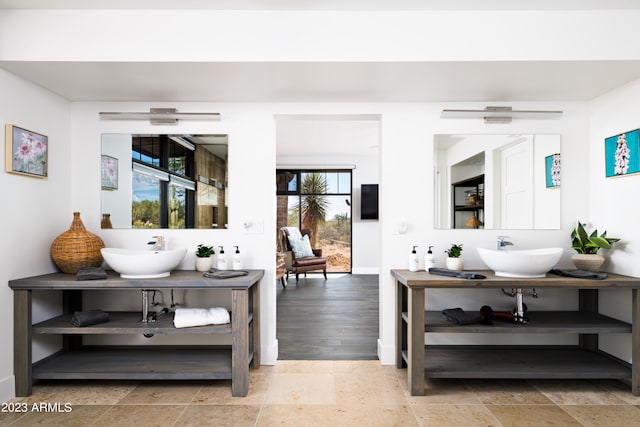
[
  {"x": 365, "y": 270},
  {"x": 7, "y": 388},
  {"x": 386, "y": 354},
  {"x": 269, "y": 354}
]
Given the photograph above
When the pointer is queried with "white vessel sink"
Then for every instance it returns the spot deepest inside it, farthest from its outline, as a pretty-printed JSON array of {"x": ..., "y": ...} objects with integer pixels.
[
  {"x": 524, "y": 263},
  {"x": 142, "y": 264}
]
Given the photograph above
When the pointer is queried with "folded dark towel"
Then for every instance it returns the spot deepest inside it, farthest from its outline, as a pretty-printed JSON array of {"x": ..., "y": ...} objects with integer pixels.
[
  {"x": 91, "y": 273},
  {"x": 579, "y": 274},
  {"x": 224, "y": 274},
  {"x": 459, "y": 317},
  {"x": 456, "y": 273},
  {"x": 89, "y": 317}
]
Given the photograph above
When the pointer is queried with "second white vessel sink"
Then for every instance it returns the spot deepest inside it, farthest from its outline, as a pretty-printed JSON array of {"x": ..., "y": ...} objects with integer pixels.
[
  {"x": 142, "y": 264},
  {"x": 525, "y": 263}
]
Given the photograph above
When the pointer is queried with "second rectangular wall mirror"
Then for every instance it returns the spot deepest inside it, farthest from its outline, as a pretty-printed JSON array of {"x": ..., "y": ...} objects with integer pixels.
[{"x": 509, "y": 182}]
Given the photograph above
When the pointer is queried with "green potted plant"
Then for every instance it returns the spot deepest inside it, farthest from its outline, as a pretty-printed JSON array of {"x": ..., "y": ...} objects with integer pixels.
[
  {"x": 454, "y": 257},
  {"x": 204, "y": 257},
  {"x": 587, "y": 247}
]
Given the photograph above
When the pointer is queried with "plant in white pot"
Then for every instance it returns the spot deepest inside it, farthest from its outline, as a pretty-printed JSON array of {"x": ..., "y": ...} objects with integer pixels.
[
  {"x": 587, "y": 247},
  {"x": 204, "y": 257},
  {"x": 454, "y": 257}
]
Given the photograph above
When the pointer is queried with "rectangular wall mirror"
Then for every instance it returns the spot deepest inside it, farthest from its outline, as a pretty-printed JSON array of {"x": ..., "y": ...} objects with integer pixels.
[
  {"x": 164, "y": 181},
  {"x": 509, "y": 182}
]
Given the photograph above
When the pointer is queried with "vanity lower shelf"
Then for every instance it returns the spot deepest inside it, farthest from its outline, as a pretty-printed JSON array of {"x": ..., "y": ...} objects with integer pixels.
[
  {"x": 138, "y": 363},
  {"x": 125, "y": 322},
  {"x": 577, "y": 322},
  {"x": 521, "y": 362}
]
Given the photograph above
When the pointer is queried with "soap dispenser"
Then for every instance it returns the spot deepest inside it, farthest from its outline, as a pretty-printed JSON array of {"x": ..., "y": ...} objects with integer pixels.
[
  {"x": 237, "y": 260},
  {"x": 222, "y": 259},
  {"x": 413, "y": 260},
  {"x": 429, "y": 260}
]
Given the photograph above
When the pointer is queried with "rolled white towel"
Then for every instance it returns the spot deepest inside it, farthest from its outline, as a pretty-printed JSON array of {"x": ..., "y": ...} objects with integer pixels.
[{"x": 188, "y": 317}]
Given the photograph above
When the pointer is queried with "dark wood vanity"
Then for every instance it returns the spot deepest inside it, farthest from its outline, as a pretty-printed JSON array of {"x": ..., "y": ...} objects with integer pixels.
[
  {"x": 142, "y": 362},
  {"x": 582, "y": 361}
]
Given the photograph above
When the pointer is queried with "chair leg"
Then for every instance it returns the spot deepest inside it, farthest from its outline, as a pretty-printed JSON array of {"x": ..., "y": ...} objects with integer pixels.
[
  {"x": 283, "y": 281},
  {"x": 297, "y": 277},
  {"x": 324, "y": 271}
]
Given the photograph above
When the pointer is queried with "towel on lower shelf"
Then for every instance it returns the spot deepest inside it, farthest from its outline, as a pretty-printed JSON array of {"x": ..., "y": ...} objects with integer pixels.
[
  {"x": 187, "y": 317},
  {"x": 89, "y": 317},
  {"x": 459, "y": 317}
]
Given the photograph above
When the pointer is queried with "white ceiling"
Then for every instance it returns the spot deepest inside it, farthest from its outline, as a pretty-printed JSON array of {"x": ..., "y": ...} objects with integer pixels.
[{"x": 329, "y": 82}]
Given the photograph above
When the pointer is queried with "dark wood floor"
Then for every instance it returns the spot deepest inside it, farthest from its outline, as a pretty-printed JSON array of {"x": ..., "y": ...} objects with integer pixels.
[{"x": 336, "y": 319}]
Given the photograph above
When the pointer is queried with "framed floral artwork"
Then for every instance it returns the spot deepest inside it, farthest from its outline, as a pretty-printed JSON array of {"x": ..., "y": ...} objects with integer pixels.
[
  {"x": 109, "y": 173},
  {"x": 26, "y": 152},
  {"x": 552, "y": 170},
  {"x": 622, "y": 154}
]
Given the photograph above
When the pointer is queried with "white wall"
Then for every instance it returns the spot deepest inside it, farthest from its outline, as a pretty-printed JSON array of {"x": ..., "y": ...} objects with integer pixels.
[
  {"x": 34, "y": 210},
  {"x": 613, "y": 204}
]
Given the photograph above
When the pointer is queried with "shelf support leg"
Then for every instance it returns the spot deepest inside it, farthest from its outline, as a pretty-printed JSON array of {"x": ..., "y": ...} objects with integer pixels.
[
  {"x": 588, "y": 302},
  {"x": 401, "y": 326},
  {"x": 255, "y": 326},
  {"x": 239, "y": 342},
  {"x": 22, "y": 367},
  {"x": 635, "y": 346},
  {"x": 415, "y": 345}
]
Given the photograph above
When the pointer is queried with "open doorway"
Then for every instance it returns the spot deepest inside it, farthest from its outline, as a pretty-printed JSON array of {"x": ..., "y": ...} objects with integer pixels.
[{"x": 328, "y": 160}]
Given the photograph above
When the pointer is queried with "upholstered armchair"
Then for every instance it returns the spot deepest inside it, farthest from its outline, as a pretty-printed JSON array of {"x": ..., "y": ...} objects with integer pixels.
[{"x": 300, "y": 258}]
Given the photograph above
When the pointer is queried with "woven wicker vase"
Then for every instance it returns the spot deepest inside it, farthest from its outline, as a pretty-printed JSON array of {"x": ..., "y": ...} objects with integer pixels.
[{"x": 76, "y": 248}]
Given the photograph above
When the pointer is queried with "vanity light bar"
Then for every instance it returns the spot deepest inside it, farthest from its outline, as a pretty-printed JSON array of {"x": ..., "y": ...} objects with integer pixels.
[
  {"x": 159, "y": 116},
  {"x": 500, "y": 114}
]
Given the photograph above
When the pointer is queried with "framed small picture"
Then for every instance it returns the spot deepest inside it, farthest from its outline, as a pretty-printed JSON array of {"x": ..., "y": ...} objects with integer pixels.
[
  {"x": 26, "y": 152},
  {"x": 552, "y": 170},
  {"x": 622, "y": 154},
  {"x": 109, "y": 173}
]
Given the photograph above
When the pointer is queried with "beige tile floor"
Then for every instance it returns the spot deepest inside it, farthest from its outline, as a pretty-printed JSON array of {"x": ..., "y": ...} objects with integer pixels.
[{"x": 330, "y": 393}]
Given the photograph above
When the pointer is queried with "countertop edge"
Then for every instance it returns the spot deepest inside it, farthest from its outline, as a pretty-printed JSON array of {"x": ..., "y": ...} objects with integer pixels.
[{"x": 178, "y": 279}]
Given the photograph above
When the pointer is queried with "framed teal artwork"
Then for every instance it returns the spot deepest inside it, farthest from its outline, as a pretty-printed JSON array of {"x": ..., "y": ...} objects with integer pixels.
[
  {"x": 622, "y": 153},
  {"x": 552, "y": 170}
]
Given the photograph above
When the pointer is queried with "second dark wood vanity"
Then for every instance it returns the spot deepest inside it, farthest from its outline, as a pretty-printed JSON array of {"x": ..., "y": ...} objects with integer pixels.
[{"x": 582, "y": 361}]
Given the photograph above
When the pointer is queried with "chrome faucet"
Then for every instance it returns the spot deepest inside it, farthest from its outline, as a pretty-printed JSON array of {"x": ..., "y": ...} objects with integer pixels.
[
  {"x": 502, "y": 242},
  {"x": 158, "y": 243}
]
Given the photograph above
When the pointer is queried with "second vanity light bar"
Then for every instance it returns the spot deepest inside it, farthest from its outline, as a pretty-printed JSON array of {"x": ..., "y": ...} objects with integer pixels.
[
  {"x": 499, "y": 114},
  {"x": 159, "y": 116}
]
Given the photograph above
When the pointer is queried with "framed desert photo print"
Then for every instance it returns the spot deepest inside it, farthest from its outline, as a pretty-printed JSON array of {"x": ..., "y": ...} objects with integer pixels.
[{"x": 26, "y": 152}]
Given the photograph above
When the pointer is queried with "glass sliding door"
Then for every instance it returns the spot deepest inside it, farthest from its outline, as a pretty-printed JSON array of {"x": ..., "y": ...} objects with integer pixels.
[{"x": 319, "y": 200}]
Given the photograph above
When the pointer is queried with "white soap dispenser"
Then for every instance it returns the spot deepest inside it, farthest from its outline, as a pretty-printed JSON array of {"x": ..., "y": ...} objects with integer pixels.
[
  {"x": 429, "y": 260},
  {"x": 222, "y": 259},
  {"x": 413, "y": 260},
  {"x": 237, "y": 260}
]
